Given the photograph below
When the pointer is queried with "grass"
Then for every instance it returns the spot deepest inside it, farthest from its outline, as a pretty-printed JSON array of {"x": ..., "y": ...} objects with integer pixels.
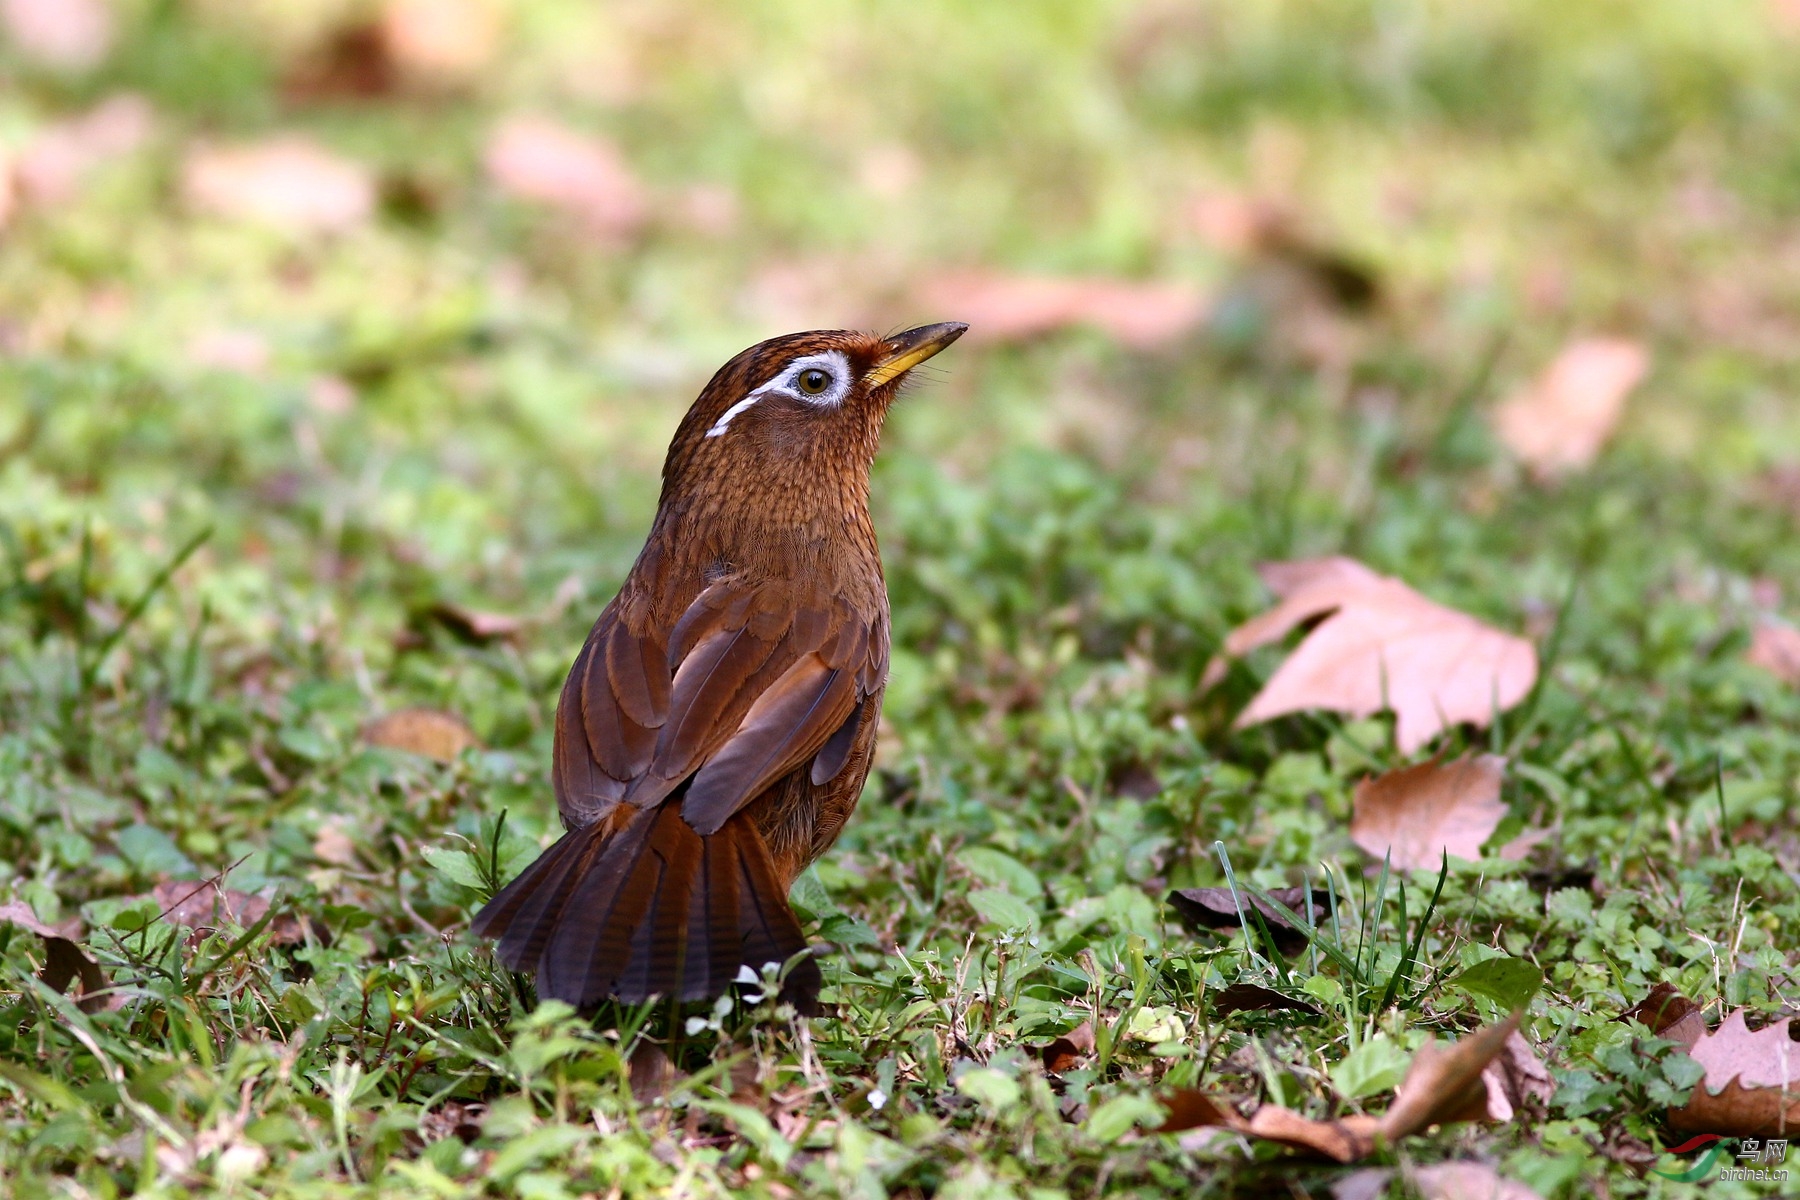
[{"x": 212, "y": 580}]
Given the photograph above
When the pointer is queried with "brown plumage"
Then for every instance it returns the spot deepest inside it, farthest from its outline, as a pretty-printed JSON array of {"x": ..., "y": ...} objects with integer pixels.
[{"x": 716, "y": 729}]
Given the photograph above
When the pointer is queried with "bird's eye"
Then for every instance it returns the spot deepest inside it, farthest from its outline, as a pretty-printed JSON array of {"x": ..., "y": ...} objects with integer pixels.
[{"x": 814, "y": 381}]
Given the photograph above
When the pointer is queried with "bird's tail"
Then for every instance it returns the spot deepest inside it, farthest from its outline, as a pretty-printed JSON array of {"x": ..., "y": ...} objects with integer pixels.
[{"x": 641, "y": 905}]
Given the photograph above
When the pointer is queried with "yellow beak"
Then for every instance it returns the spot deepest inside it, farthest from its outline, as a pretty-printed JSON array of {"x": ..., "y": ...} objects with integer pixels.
[{"x": 904, "y": 351}]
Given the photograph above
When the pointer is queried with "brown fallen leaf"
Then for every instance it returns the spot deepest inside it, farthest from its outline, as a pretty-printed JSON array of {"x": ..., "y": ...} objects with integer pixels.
[
  {"x": 1667, "y": 1013},
  {"x": 1216, "y": 908},
  {"x": 1560, "y": 422},
  {"x": 430, "y": 732},
  {"x": 472, "y": 625},
  {"x": 55, "y": 163},
  {"x": 64, "y": 960},
  {"x": 1518, "y": 848},
  {"x": 1417, "y": 814},
  {"x": 1752, "y": 1083},
  {"x": 1443, "y": 1084},
  {"x": 202, "y": 904},
  {"x": 67, "y": 35},
  {"x": 333, "y": 843},
  {"x": 1776, "y": 649},
  {"x": 1381, "y": 646},
  {"x": 1248, "y": 997},
  {"x": 537, "y": 159},
  {"x": 1517, "y": 1077},
  {"x": 1010, "y": 308},
  {"x": 1073, "y": 1049},
  {"x": 288, "y": 183}
]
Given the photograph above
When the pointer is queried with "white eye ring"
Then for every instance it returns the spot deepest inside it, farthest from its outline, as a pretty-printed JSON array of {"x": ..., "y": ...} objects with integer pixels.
[{"x": 787, "y": 383}]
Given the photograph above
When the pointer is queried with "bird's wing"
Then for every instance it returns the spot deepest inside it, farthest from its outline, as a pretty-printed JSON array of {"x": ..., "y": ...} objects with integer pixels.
[{"x": 753, "y": 683}]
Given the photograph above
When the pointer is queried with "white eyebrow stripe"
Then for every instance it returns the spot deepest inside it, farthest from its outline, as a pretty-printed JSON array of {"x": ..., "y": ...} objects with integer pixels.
[
  {"x": 832, "y": 360},
  {"x": 724, "y": 422}
]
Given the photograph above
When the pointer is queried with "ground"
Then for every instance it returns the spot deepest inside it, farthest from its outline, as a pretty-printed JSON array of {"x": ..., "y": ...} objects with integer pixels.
[{"x": 269, "y": 477}]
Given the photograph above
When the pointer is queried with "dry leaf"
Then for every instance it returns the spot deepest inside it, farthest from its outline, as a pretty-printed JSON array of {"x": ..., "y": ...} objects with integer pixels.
[
  {"x": 1667, "y": 1013},
  {"x": 1443, "y": 1084},
  {"x": 1776, "y": 649},
  {"x": 1370, "y": 1183},
  {"x": 1519, "y": 848},
  {"x": 1383, "y": 646},
  {"x": 1752, "y": 1082},
  {"x": 1516, "y": 1076},
  {"x": 1560, "y": 422},
  {"x": 288, "y": 183},
  {"x": 537, "y": 159},
  {"x": 202, "y": 904},
  {"x": 53, "y": 165},
  {"x": 441, "y": 41},
  {"x": 69, "y": 35},
  {"x": 1417, "y": 814},
  {"x": 1217, "y": 908},
  {"x": 333, "y": 843},
  {"x": 1248, "y": 997},
  {"x": 473, "y": 625},
  {"x": 64, "y": 960},
  {"x": 427, "y": 731},
  {"x": 1071, "y": 1050},
  {"x": 1006, "y": 308},
  {"x": 1468, "y": 1181}
]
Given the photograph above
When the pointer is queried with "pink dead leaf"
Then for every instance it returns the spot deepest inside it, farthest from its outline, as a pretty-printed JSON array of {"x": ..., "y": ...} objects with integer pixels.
[
  {"x": 1443, "y": 1084},
  {"x": 441, "y": 40},
  {"x": 428, "y": 732},
  {"x": 1516, "y": 1077},
  {"x": 1383, "y": 646},
  {"x": 1417, "y": 814},
  {"x": 53, "y": 165},
  {"x": 1752, "y": 1082},
  {"x": 1559, "y": 423},
  {"x": 242, "y": 351},
  {"x": 1776, "y": 649},
  {"x": 1009, "y": 308},
  {"x": 288, "y": 183},
  {"x": 1667, "y": 1013},
  {"x": 67, "y": 35},
  {"x": 537, "y": 159}
]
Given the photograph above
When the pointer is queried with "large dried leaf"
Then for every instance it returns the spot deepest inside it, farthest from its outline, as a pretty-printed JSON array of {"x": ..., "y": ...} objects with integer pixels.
[
  {"x": 1217, "y": 908},
  {"x": 538, "y": 159},
  {"x": 1515, "y": 1079},
  {"x": 287, "y": 183},
  {"x": 64, "y": 960},
  {"x": 1382, "y": 646},
  {"x": 1776, "y": 649},
  {"x": 1418, "y": 814},
  {"x": 1444, "y": 1084},
  {"x": 1668, "y": 1014},
  {"x": 425, "y": 731},
  {"x": 1007, "y": 308},
  {"x": 1250, "y": 997},
  {"x": 68, "y": 35},
  {"x": 1560, "y": 422},
  {"x": 202, "y": 904},
  {"x": 1752, "y": 1083}
]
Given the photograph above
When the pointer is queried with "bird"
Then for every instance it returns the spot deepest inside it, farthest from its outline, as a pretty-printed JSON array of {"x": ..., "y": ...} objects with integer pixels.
[{"x": 715, "y": 731}]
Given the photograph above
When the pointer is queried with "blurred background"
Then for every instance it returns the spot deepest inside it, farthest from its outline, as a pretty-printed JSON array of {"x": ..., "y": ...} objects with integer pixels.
[{"x": 389, "y": 308}]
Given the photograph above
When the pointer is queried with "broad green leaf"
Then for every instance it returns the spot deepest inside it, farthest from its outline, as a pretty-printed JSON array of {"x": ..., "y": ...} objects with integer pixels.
[
  {"x": 1376, "y": 1066},
  {"x": 457, "y": 865},
  {"x": 996, "y": 868},
  {"x": 1120, "y": 1115},
  {"x": 1508, "y": 982},
  {"x": 1003, "y": 909}
]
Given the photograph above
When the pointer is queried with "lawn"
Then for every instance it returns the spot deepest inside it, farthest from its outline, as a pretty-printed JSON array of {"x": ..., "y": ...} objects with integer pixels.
[{"x": 1248, "y": 282}]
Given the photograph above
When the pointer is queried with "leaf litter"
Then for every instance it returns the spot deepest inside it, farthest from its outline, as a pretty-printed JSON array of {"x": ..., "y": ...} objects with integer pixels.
[
  {"x": 1415, "y": 815},
  {"x": 1381, "y": 647}
]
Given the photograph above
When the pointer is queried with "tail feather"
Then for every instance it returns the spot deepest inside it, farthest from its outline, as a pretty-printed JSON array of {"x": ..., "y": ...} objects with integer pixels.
[{"x": 648, "y": 907}]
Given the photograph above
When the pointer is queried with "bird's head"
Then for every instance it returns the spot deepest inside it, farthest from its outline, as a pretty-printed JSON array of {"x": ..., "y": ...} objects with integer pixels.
[{"x": 797, "y": 407}]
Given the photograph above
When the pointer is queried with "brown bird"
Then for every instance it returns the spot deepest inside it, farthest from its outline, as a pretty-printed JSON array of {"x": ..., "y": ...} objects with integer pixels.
[{"x": 716, "y": 729}]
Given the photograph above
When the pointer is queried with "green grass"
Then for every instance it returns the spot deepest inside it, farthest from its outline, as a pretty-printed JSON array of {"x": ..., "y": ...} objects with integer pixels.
[{"x": 209, "y": 584}]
